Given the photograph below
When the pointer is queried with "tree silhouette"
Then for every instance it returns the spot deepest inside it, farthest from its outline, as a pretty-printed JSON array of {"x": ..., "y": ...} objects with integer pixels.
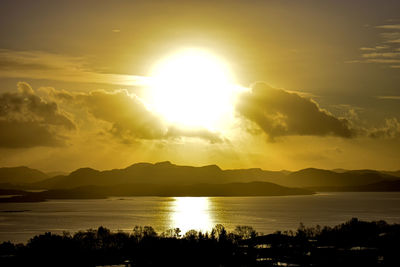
[{"x": 353, "y": 243}]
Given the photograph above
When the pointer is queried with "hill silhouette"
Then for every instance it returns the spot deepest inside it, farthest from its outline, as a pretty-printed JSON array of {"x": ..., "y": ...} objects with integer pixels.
[
  {"x": 383, "y": 186},
  {"x": 96, "y": 192},
  {"x": 21, "y": 175},
  {"x": 317, "y": 177},
  {"x": 56, "y": 173},
  {"x": 166, "y": 173},
  {"x": 393, "y": 173},
  {"x": 158, "y": 173}
]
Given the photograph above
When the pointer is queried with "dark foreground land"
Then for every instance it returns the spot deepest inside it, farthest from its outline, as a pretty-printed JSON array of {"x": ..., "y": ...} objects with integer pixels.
[{"x": 354, "y": 243}]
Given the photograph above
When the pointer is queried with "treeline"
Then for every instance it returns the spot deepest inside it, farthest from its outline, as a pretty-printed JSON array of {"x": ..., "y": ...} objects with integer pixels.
[{"x": 354, "y": 243}]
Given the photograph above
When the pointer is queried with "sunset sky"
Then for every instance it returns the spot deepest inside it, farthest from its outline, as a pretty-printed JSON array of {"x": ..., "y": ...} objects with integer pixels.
[{"x": 269, "y": 84}]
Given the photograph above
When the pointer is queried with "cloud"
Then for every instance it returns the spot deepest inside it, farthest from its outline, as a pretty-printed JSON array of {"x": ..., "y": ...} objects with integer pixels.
[
  {"x": 127, "y": 114},
  {"x": 386, "y": 51},
  {"x": 391, "y": 97},
  {"x": 394, "y": 41},
  {"x": 128, "y": 117},
  {"x": 390, "y": 130},
  {"x": 378, "y": 47},
  {"x": 389, "y": 27},
  {"x": 390, "y": 35},
  {"x": 384, "y": 55},
  {"x": 212, "y": 137},
  {"x": 382, "y": 60},
  {"x": 51, "y": 66},
  {"x": 27, "y": 120},
  {"x": 51, "y": 117},
  {"x": 280, "y": 113}
]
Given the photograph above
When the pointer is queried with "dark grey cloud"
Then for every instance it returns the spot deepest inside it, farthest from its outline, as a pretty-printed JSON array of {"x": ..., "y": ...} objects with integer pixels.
[
  {"x": 281, "y": 113},
  {"x": 27, "y": 120}
]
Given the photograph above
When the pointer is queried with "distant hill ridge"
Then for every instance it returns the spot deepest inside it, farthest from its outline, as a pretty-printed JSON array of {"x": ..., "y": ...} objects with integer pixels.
[
  {"x": 382, "y": 186},
  {"x": 144, "y": 189},
  {"x": 166, "y": 173},
  {"x": 21, "y": 175}
]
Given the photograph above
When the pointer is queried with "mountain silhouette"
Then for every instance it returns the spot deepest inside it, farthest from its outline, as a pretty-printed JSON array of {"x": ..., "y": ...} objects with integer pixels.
[
  {"x": 392, "y": 173},
  {"x": 158, "y": 173},
  {"x": 144, "y": 189},
  {"x": 21, "y": 175},
  {"x": 56, "y": 173},
  {"x": 166, "y": 173},
  {"x": 383, "y": 186},
  {"x": 316, "y": 177}
]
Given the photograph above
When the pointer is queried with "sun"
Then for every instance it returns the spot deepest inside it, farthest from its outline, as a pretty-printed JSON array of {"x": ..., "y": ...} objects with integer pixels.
[{"x": 193, "y": 88}]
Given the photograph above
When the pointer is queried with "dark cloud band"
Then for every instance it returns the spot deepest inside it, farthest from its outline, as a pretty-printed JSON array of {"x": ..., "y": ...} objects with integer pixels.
[{"x": 280, "y": 113}]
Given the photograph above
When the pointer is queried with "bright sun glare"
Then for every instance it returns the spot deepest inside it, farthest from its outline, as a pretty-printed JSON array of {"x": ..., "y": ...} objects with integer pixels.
[
  {"x": 192, "y": 213},
  {"x": 193, "y": 88}
]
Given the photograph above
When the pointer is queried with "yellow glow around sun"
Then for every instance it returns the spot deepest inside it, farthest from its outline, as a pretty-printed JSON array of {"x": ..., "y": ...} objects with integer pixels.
[{"x": 192, "y": 88}]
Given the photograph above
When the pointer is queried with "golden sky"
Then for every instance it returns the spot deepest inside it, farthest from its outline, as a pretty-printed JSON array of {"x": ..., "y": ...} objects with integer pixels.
[{"x": 270, "y": 84}]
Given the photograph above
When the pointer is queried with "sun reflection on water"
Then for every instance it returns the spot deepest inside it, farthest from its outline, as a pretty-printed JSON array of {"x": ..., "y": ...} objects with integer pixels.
[{"x": 191, "y": 213}]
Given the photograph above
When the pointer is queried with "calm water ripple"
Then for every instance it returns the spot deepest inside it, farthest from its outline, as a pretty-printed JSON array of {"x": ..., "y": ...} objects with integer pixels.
[{"x": 20, "y": 221}]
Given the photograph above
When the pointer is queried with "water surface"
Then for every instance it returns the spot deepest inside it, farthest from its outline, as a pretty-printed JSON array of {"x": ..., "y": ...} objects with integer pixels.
[{"x": 20, "y": 221}]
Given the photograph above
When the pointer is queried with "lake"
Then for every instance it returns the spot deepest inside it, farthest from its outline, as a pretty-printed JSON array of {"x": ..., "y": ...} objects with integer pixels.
[{"x": 20, "y": 221}]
